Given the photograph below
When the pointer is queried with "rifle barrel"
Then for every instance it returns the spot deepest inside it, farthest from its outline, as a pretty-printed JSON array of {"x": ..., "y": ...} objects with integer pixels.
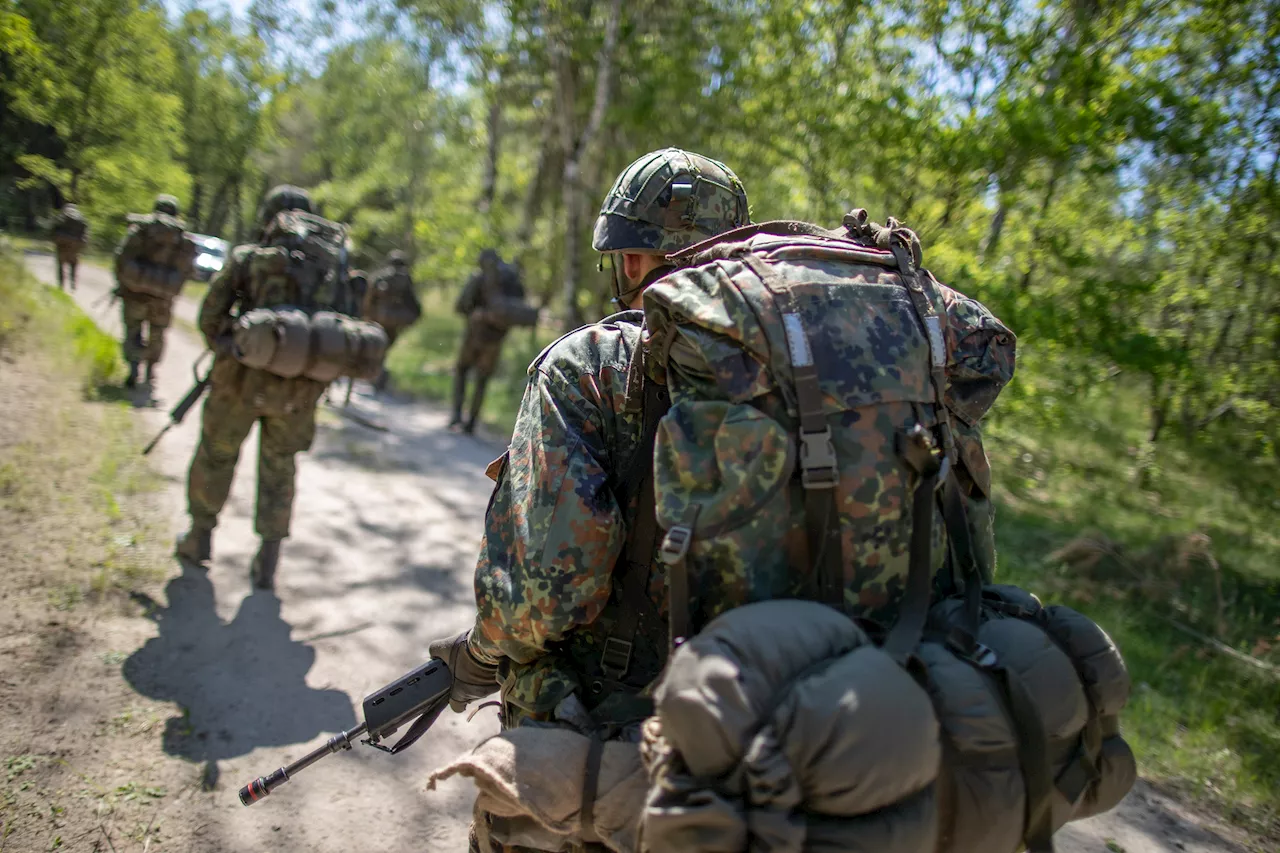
[
  {"x": 152, "y": 444},
  {"x": 264, "y": 785}
]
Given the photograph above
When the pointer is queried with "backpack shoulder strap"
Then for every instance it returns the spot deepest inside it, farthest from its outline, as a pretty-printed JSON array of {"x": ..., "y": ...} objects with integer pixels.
[
  {"x": 634, "y": 568},
  {"x": 819, "y": 473}
]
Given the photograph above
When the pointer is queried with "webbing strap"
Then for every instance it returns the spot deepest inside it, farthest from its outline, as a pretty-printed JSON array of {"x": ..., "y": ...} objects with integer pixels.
[
  {"x": 960, "y": 539},
  {"x": 819, "y": 473},
  {"x": 933, "y": 323},
  {"x": 1033, "y": 757},
  {"x": 675, "y": 547},
  {"x": 915, "y": 449},
  {"x": 633, "y": 570},
  {"x": 590, "y": 784}
]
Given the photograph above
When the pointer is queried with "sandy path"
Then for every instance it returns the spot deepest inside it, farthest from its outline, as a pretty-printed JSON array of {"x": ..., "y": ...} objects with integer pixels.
[{"x": 385, "y": 532}]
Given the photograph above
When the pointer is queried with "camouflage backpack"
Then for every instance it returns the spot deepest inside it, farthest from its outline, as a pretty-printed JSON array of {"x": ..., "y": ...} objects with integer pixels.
[
  {"x": 156, "y": 256},
  {"x": 820, "y": 444},
  {"x": 808, "y": 370},
  {"x": 389, "y": 302},
  {"x": 69, "y": 226},
  {"x": 300, "y": 261}
]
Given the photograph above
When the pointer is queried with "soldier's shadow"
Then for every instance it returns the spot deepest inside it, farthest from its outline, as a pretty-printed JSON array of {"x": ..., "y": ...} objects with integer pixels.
[{"x": 241, "y": 684}]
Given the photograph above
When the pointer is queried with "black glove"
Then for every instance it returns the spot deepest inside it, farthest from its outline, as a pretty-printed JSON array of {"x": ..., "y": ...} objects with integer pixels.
[{"x": 472, "y": 679}]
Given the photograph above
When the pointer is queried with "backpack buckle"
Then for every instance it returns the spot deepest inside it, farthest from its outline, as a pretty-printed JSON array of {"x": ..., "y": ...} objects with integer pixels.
[
  {"x": 675, "y": 545},
  {"x": 818, "y": 460},
  {"x": 615, "y": 657}
]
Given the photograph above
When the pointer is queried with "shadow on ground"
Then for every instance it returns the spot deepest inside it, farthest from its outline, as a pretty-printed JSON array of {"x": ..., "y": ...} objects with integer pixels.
[{"x": 224, "y": 675}]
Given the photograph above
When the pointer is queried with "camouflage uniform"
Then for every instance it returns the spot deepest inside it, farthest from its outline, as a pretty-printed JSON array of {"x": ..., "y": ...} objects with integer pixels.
[
  {"x": 559, "y": 517},
  {"x": 482, "y": 341},
  {"x": 284, "y": 409},
  {"x": 70, "y": 234},
  {"x": 390, "y": 302},
  {"x": 146, "y": 318}
]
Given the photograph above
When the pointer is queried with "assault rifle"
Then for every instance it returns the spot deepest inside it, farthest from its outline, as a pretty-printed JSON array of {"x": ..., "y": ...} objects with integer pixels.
[
  {"x": 422, "y": 693},
  {"x": 180, "y": 411}
]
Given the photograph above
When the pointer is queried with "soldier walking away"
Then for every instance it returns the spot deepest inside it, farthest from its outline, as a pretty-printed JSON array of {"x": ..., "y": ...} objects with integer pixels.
[
  {"x": 261, "y": 275},
  {"x": 568, "y": 476},
  {"x": 495, "y": 285},
  {"x": 154, "y": 260},
  {"x": 70, "y": 234},
  {"x": 390, "y": 302}
]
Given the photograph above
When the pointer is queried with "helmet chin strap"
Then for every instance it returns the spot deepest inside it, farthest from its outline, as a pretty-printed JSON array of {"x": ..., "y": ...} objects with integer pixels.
[{"x": 622, "y": 296}]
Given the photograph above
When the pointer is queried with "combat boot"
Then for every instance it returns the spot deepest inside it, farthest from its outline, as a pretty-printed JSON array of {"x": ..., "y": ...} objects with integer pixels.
[
  {"x": 196, "y": 544},
  {"x": 132, "y": 379},
  {"x": 263, "y": 570}
]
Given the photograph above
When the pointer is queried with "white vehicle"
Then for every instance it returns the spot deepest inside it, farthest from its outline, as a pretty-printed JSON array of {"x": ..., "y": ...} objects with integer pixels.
[{"x": 211, "y": 254}]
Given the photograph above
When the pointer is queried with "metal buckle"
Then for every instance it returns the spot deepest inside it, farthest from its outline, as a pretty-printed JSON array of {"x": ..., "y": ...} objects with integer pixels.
[
  {"x": 675, "y": 545},
  {"x": 818, "y": 460},
  {"x": 615, "y": 658}
]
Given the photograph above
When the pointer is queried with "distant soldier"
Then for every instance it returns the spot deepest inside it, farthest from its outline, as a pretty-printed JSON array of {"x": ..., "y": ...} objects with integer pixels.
[
  {"x": 153, "y": 262},
  {"x": 391, "y": 303},
  {"x": 358, "y": 285},
  {"x": 493, "y": 301},
  {"x": 70, "y": 234}
]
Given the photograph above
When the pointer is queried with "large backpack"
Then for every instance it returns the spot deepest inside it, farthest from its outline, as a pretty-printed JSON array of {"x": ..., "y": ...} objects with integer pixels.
[
  {"x": 156, "y": 256},
  {"x": 300, "y": 261},
  {"x": 498, "y": 298},
  {"x": 390, "y": 301},
  {"x": 812, "y": 450},
  {"x": 70, "y": 227}
]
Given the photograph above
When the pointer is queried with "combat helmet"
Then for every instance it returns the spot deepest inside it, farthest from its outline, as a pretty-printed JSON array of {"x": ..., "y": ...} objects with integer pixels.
[
  {"x": 166, "y": 203},
  {"x": 283, "y": 197},
  {"x": 397, "y": 258},
  {"x": 668, "y": 200}
]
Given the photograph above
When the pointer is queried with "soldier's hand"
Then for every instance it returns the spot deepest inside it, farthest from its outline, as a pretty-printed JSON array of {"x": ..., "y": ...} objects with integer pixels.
[{"x": 472, "y": 679}]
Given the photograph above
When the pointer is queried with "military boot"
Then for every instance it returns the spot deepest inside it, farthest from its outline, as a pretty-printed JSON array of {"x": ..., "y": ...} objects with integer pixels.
[
  {"x": 132, "y": 379},
  {"x": 263, "y": 570},
  {"x": 196, "y": 544}
]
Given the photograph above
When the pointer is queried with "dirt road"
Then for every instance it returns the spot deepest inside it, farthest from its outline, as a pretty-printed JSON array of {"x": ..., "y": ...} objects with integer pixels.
[{"x": 385, "y": 533}]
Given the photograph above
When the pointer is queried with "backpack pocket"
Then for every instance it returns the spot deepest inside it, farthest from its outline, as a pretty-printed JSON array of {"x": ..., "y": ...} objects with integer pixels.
[{"x": 721, "y": 470}]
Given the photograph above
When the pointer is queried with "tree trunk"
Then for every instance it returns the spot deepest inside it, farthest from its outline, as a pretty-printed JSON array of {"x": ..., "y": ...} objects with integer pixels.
[
  {"x": 493, "y": 127},
  {"x": 575, "y": 150},
  {"x": 197, "y": 202}
]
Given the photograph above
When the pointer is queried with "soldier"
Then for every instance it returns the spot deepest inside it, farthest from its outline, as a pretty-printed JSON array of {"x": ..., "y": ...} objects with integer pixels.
[
  {"x": 559, "y": 521},
  {"x": 152, "y": 263},
  {"x": 70, "y": 234},
  {"x": 239, "y": 397},
  {"x": 391, "y": 303},
  {"x": 571, "y": 611},
  {"x": 482, "y": 341}
]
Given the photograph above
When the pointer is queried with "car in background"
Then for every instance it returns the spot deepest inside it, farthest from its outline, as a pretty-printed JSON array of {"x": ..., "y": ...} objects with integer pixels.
[{"x": 211, "y": 254}]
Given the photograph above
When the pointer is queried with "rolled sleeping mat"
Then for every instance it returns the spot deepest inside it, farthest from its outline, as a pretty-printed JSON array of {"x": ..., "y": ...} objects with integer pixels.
[{"x": 277, "y": 340}]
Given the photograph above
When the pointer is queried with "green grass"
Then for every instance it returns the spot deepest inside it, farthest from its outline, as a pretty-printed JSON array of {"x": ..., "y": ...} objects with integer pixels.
[
  {"x": 81, "y": 457},
  {"x": 1202, "y": 723}
]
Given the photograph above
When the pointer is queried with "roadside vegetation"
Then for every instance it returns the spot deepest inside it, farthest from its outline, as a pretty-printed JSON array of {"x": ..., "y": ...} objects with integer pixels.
[{"x": 77, "y": 541}]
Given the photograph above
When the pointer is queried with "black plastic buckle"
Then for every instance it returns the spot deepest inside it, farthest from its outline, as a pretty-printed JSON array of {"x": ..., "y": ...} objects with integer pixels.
[
  {"x": 818, "y": 460},
  {"x": 675, "y": 545},
  {"x": 615, "y": 658}
]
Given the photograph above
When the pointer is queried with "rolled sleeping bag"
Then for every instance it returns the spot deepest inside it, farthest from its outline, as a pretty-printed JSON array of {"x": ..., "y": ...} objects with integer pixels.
[{"x": 287, "y": 342}]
